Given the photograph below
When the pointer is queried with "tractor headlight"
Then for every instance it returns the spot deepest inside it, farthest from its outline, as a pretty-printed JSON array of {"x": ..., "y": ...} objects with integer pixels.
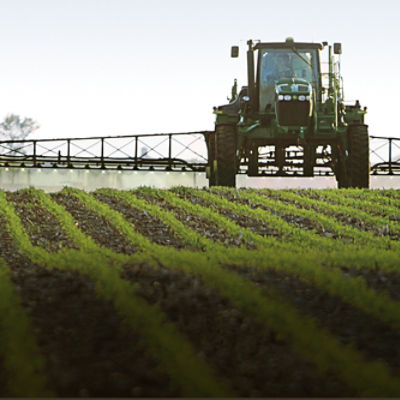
[
  {"x": 280, "y": 97},
  {"x": 308, "y": 98},
  {"x": 287, "y": 97},
  {"x": 302, "y": 97}
]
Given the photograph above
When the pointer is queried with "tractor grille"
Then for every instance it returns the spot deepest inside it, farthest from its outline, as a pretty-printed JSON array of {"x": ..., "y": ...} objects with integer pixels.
[{"x": 293, "y": 113}]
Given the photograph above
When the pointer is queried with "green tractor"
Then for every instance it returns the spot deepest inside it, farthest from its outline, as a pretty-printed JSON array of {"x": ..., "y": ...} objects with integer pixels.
[{"x": 290, "y": 119}]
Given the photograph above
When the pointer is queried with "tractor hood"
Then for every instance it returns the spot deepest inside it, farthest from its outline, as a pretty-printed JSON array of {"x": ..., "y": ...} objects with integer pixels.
[
  {"x": 294, "y": 87},
  {"x": 293, "y": 99}
]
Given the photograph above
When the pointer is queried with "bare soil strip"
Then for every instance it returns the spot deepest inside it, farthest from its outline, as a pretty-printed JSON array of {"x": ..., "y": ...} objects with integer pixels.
[
  {"x": 94, "y": 225},
  {"x": 43, "y": 229},
  {"x": 152, "y": 228}
]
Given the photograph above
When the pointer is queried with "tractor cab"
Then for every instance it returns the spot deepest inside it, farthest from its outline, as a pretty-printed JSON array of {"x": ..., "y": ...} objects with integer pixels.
[{"x": 286, "y": 81}]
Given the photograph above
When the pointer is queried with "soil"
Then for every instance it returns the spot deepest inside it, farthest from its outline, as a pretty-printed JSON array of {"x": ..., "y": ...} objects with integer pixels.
[
  {"x": 152, "y": 228},
  {"x": 43, "y": 229},
  {"x": 94, "y": 225}
]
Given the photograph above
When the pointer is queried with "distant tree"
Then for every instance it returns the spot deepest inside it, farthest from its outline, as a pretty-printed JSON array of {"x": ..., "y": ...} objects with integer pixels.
[{"x": 14, "y": 128}]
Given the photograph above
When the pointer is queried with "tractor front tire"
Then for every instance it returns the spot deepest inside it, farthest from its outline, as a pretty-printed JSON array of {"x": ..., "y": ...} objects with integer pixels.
[
  {"x": 225, "y": 155},
  {"x": 358, "y": 159}
]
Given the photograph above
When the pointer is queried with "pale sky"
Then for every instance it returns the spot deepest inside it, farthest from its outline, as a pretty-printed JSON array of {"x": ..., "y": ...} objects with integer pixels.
[{"x": 110, "y": 67}]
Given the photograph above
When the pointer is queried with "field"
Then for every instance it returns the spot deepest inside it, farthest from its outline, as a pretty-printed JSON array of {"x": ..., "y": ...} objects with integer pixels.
[{"x": 187, "y": 292}]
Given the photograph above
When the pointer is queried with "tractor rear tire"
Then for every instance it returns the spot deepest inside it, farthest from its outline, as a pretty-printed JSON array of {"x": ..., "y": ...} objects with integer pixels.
[
  {"x": 358, "y": 159},
  {"x": 225, "y": 155}
]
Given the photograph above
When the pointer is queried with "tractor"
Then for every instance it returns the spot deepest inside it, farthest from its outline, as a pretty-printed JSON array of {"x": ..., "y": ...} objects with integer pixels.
[{"x": 290, "y": 119}]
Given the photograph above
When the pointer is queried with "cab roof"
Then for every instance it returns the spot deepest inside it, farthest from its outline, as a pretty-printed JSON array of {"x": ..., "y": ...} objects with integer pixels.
[{"x": 288, "y": 45}]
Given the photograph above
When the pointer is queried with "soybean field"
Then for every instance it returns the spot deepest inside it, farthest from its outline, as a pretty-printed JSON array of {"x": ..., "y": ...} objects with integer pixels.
[{"x": 200, "y": 293}]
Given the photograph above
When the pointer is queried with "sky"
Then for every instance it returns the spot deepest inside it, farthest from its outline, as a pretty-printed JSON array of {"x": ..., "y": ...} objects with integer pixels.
[{"x": 117, "y": 67}]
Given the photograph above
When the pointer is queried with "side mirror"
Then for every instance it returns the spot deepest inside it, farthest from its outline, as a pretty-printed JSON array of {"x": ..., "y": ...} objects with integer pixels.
[
  {"x": 235, "y": 51},
  {"x": 337, "y": 48}
]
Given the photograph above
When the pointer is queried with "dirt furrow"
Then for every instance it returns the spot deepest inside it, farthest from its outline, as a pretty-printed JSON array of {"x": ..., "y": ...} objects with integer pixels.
[
  {"x": 43, "y": 229},
  {"x": 94, "y": 225},
  {"x": 145, "y": 224}
]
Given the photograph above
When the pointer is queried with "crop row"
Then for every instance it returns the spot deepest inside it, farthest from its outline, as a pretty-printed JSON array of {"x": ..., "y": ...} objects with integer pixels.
[{"x": 160, "y": 336}]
